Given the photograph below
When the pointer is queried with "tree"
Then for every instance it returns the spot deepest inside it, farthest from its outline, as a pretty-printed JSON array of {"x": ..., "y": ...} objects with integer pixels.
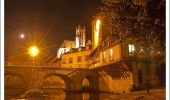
[{"x": 140, "y": 23}]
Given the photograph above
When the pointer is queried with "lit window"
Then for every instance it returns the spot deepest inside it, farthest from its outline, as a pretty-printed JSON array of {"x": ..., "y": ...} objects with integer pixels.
[
  {"x": 131, "y": 50},
  {"x": 104, "y": 57},
  {"x": 111, "y": 54}
]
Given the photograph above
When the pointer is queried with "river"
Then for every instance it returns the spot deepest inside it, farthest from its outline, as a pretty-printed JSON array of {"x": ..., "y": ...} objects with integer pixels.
[{"x": 58, "y": 94}]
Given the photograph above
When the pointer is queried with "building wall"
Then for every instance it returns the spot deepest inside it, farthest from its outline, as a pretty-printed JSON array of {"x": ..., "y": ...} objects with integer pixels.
[
  {"x": 116, "y": 54},
  {"x": 124, "y": 50},
  {"x": 148, "y": 74},
  {"x": 108, "y": 83},
  {"x": 74, "y": 56},
  {"x": 65, "y": 47}
]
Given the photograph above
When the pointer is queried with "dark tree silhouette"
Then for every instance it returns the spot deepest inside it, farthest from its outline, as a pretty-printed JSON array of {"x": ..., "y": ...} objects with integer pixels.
[{"x": 141, "y": 23}]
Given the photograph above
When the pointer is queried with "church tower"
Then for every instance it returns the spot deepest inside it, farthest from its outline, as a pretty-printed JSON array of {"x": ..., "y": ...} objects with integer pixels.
[{"x": 80, "y": 36}]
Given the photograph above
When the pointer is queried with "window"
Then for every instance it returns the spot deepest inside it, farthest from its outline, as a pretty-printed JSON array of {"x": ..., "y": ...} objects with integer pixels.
[
  {"x": 64, "y": 61},
  {"x": 131, "y": 50},
  {"x": 86, "y": 57},
  {"x": 79, "y": 58},
  {"x": 111, "y": 55},
  {"x": 104, "y": 57},
  {"x": 70, "y": 60}
]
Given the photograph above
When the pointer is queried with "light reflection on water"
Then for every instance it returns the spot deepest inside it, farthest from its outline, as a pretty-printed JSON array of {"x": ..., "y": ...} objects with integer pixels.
[
  {"x": 59, "y": 94},
  {"x": 52, "y": 94}
]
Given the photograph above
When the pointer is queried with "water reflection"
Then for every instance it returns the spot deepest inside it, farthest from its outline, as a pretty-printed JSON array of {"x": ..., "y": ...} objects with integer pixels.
[
  {"x": 56, "y": 94},
  {"x": 85, "y": 96}
]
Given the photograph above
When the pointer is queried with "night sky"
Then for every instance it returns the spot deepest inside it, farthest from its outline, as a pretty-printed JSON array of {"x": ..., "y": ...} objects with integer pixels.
[{"x": 50, "y": 21}]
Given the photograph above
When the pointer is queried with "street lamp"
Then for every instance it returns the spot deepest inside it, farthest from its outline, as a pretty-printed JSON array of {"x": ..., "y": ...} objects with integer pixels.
[{"x": 33, "y": 51}]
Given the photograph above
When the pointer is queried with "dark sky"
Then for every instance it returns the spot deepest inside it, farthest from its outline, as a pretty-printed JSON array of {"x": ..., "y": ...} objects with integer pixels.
[{"x": 51, "y": 21}]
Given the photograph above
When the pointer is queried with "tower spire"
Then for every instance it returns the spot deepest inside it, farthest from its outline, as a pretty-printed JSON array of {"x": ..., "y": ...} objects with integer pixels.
[{"x": 80, "y": 36}]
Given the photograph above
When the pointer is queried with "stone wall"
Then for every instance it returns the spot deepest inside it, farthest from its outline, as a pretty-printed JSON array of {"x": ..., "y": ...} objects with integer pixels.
[{"x": 108, "y": 83}]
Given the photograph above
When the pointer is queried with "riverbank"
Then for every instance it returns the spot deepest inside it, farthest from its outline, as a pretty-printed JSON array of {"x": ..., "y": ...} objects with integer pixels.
[{"x": 154, "y": 94}]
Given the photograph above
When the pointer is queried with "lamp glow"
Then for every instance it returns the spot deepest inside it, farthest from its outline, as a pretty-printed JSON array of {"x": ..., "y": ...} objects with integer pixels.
[{"x": 33, "y": 51}]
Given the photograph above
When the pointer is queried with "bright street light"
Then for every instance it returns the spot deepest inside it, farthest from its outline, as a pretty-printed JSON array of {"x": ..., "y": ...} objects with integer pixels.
[{"x": 33, "y": 51}]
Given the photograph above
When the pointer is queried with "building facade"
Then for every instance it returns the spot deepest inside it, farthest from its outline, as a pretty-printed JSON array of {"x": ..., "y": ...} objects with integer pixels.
[
  {"x": 65, "y": 47},
  {"x": 76, "y": 58}
]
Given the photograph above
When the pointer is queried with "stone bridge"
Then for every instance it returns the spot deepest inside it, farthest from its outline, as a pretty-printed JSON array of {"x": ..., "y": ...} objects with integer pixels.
[
  {"x": 107, "y": 78},
  {"x": 29, "y": 77}
]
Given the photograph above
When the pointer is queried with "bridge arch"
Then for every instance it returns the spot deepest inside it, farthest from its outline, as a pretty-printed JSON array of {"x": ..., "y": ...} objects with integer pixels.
[
  {"x": 89, "y": 82},
  {"x": 64, "y": 80},
  {"x": 14, "y": 84},
  {"x": 12, "y": 77},
  {"x": 85, "y": 82}
]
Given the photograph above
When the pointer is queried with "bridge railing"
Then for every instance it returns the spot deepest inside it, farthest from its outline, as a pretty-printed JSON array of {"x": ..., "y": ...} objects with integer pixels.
[
  {"x": 32, "y": 64},
  {"x": 55, "y": 65},
  {"x": 83, "y": 66}
]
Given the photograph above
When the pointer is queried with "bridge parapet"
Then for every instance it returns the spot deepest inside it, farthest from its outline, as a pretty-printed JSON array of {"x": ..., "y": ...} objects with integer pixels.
[{"x": 32, "y": 64}]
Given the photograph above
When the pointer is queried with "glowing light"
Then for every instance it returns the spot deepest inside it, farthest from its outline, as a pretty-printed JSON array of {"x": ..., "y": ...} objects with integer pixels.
[
  {"x": 111, "y": 54},
  {"x": 96, "y": 36},
  {"x": 22, "y": 36},
  {"x": 33, "y": 51},
  {"x": 97, "y": 25},
  {"x": 131, "y": 50}
]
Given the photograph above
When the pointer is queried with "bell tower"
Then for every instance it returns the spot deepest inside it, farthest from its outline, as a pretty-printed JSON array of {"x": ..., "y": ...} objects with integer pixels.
[{"x": 80, "y": 36}]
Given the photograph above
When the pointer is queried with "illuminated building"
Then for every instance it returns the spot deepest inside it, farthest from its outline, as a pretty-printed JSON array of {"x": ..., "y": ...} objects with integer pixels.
[
  {"x": 65, "y": 47},
  {"x": 124, "y": 66},
  {"x": 80, "y": 40},
  {"x": 124, "y": 60},
  {"x": 80, "y": 36},
  {"x": 76, "y": 58},
  {"x": 96, "y": 33},
  {"x": 127, "y": 61}
]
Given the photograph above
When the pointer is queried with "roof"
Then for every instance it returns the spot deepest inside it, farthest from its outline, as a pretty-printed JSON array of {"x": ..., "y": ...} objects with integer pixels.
[
  {"x": 76, "y": 50},
  {"x": 54, "y": 60},
  {"x": 89, "y": 42},
  {"x": 68, "y": 44}
]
